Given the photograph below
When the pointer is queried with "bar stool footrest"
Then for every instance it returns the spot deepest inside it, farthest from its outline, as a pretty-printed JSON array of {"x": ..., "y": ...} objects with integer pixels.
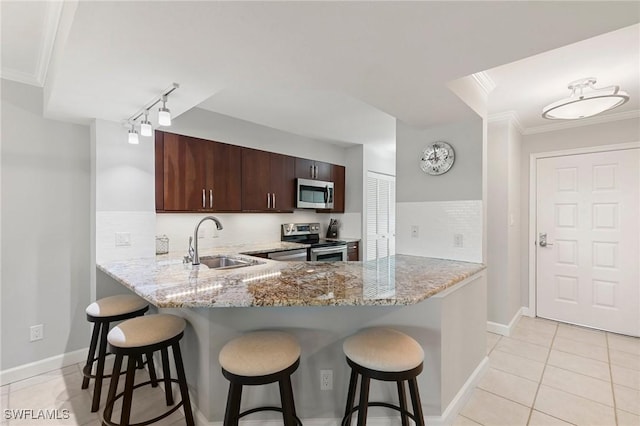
[
  {"x": 255, "y": 410},
  {"x": 347, "y": 418},
  {"x": 146, "y": 422}
]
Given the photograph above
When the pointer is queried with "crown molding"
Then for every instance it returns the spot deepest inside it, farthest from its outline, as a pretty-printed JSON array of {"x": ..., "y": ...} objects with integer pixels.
[
  {"x": 510, "y": 116},
  {"x": 485, "y": 82},
  {"x": 20, "y": 77},
  {"x": 584, "y": 122},
  {"x": 51, "y": 22},
  {"x": 50, "y": 29}
]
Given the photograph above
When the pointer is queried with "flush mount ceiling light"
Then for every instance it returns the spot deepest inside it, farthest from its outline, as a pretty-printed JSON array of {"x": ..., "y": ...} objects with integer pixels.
[
  {"x": 585, "y": 101},
  {"x": 164, "y": 115}
]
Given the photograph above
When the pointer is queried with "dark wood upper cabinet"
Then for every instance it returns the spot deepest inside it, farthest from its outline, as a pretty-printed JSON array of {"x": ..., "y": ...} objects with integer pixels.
[
  {"x": 338, "y": 179},
  {"x": 267, "y": 181},
  {"x": 199, "y": 175},
  {"x": 310, "y": 169},
  {"x": 226, "y": 183}
]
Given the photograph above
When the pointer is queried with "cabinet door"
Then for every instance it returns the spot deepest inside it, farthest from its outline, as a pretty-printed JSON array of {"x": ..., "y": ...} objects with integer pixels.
[
  {"x": 353, "y": 251},
  {"x": 184, "y": 173},
  {"x": 159, "y": 172},
  {"x": 256, "y": 166},
  {"x": 323, "y": 171},
  {"x": 310, "y": 169},
  {"x": 338, "y": 179},
  {"x": 304, "y": 168},
  {"x": 283, "y": 182},
  {"x": 224, "y": 188}
]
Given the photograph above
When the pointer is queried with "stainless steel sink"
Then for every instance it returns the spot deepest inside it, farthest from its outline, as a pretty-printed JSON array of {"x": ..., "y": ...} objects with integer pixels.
[{"x": 226, "y": 262}]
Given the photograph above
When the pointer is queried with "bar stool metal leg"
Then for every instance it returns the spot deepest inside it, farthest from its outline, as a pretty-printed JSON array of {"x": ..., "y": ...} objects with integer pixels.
[
  {"x": 152, "y": 370},
  {"x": 233, "y": 405},
  {"x": 364, "y": 400},
  {"x": 351, "y": 395},
  {"x": 402, "y": 398},
  {"x": 102, "y": 353},
  {"x": 182, "y": 381},
  {"x": 288, "y": 406},
  {"x": 168, "y": 391},
  {"x": 92, "y": 353},
  {"x": 415, "y": 401},
  {"x": 113, "y": 387}
]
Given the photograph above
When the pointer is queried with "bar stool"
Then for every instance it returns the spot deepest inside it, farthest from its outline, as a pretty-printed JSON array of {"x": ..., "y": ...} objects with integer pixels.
[
  {"x": 101, "y": 313},
  {"x": 259, "y": 358},
  {"x": 145, "y": 335},
  {"x": 388, "y": 355}
]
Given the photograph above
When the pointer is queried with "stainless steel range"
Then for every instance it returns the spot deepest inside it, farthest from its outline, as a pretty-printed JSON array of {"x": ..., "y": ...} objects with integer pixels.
[{"x": 309, "y": 233}]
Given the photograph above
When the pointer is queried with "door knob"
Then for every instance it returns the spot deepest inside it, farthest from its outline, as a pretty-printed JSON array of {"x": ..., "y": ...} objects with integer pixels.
[{"x": 542, "y": 240}]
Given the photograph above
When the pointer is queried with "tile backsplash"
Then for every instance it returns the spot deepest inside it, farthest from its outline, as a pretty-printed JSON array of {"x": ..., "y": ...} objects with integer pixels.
[{"x": 445, "y": 229}]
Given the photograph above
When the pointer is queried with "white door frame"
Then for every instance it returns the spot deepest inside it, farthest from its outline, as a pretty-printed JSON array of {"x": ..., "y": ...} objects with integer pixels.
[{"x": 532, "y": 241}]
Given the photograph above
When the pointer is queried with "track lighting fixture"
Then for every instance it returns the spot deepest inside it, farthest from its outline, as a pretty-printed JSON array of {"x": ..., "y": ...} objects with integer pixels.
[
  {"x": 145, "y": 125},
  {"x": 164, "y": 116},
  {"x": 133, "y": 135}
]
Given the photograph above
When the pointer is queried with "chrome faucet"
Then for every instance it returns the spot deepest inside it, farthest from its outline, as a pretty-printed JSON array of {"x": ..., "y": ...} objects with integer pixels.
[{"x": 194, "y": 252}]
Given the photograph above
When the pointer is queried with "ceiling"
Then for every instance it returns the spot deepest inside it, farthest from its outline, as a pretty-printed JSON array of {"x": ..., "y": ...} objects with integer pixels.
[{"x": 335, "y": 71}]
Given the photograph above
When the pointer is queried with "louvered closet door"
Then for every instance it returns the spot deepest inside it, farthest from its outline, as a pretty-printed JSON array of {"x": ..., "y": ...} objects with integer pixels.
[
  {"x": 381, "y": 216},
  {"x": 588, "y": 206}
]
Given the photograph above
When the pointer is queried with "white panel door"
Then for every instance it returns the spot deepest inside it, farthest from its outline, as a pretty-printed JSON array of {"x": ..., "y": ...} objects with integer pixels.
[{"x": 588, "y": 205}]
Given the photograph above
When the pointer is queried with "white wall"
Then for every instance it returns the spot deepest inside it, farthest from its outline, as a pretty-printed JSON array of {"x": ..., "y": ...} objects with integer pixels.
[
  {"x": 445, "y": 205},
  {"x": 503, "y": 230},
  {"x": 125, "y": 182},
  {"x": 615, "y": 132},
  {"x": 45, "y": 229}
]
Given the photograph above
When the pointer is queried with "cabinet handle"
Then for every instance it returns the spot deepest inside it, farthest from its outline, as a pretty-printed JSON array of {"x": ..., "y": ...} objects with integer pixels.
[
  {"x": 274, "y": 200},
  {"x": 211, "y": 198},
  {"x": 204, "y": 199},
  {"x": 268, "y": 200},
  {"x": 311, "y": 169}
]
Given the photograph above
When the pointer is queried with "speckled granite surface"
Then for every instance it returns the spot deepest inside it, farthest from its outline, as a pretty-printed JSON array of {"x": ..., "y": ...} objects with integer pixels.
[{"x": 399, "y": 280}]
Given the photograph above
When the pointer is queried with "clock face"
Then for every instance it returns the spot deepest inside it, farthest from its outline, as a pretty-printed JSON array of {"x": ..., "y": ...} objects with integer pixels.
[{"x": 437, "y": 158}]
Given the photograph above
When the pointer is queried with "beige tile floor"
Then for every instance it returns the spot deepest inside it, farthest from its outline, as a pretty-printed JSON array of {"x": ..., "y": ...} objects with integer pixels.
[
  {"x": 545, "y": 373},
  {"x": 549, "y": 373}
]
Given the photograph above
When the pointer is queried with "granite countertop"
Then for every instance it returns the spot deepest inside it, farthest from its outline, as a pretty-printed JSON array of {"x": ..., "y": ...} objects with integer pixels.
[{"x": 166, "y": 282}]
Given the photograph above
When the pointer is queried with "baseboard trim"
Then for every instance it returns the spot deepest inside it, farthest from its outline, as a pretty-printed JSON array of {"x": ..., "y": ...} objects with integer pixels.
[
  {"x": 502, "y": 329},
  {"x": 462, "y": 397},
  {"x": 447, "y": 418},
  {"x": 25, "y": 371}
]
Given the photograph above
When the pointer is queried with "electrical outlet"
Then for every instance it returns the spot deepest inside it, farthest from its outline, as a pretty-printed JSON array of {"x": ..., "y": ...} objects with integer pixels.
[
  {"x": 36, "y": 332},
  {"x": 458, "y": 240},
  {"x": 415, "y": 231},
  {"x": 326, "y": 379},
  {"x": 123, "y": 239}
]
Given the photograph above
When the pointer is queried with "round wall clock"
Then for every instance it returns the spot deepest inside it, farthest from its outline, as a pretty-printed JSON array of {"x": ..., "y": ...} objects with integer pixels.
[{"x": 437, "y": 158}]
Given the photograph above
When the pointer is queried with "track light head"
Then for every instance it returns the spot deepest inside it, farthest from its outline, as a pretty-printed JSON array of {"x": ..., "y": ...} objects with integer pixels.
[
  {"x": 145, "y": 125},
  {"x": 164, "y": 115},
  {"x": 133, "y": 135}
]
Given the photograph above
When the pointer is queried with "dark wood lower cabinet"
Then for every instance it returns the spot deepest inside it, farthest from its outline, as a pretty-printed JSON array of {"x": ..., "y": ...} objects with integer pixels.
[{"x": 353, "y": 251}]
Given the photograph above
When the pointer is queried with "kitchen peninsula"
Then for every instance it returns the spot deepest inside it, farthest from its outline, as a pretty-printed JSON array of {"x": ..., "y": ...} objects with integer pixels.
[{"x": 441, "y": 303}]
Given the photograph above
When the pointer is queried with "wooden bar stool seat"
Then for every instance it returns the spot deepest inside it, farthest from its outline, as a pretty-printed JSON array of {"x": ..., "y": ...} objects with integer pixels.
[
  {"x": 145, "y": 335},
  {"x": 259, "y": 358},
  {"x": 388, "y": 355},
  {"x": 102, "y": 313}
]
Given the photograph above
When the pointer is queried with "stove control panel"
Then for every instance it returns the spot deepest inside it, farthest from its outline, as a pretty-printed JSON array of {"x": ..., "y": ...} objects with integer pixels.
[{"x": 289, "y": 229}]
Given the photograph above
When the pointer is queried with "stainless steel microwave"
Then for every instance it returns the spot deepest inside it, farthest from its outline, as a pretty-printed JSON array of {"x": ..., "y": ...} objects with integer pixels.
[{"x": 314, "y": 194}]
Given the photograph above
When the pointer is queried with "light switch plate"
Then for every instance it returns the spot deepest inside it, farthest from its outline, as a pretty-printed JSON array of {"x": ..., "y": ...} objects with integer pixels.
[{"x": 123, "y": 239}]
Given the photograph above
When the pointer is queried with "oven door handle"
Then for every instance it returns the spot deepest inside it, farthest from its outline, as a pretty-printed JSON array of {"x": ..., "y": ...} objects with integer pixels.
[{"x": 335, "y": 249}]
